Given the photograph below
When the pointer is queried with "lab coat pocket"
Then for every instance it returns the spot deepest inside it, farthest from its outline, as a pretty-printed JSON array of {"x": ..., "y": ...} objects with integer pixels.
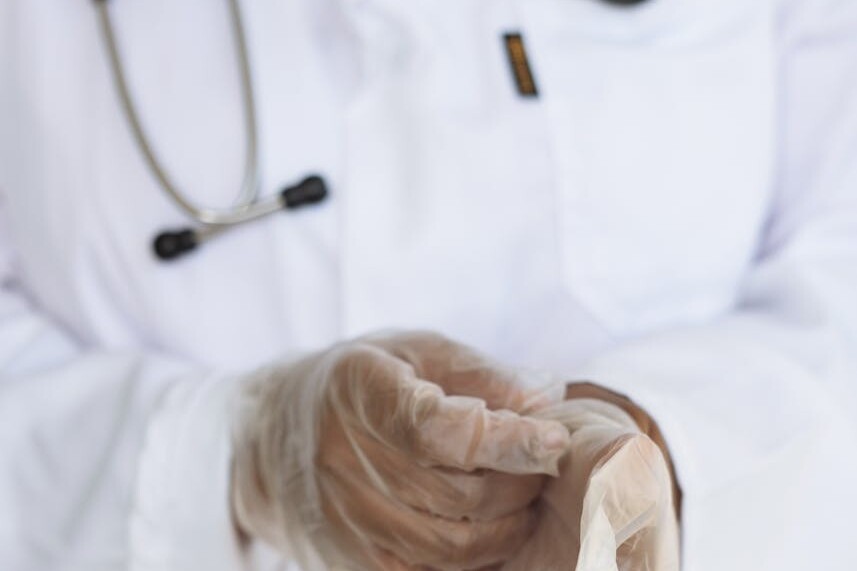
[{"x": 661, "y": 133}]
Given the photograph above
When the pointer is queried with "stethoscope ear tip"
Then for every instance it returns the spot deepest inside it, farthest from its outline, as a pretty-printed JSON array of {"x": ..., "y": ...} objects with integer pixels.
[
  {"x": 311, "y": 190},
  {"x": 170, "y": 245}
]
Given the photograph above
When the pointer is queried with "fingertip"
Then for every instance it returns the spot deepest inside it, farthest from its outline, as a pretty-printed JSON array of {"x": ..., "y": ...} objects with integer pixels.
[
  {"x": 546, "y": 445},
  {"x": 556, "y": 438}
]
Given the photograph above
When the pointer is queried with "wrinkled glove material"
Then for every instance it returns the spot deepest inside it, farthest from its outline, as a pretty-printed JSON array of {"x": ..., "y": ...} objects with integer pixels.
[
  {"x": 396, "y": 452},
  {"x": 611, "y": 508}
]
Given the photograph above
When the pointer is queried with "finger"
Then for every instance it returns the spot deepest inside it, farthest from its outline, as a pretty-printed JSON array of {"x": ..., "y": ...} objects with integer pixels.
[
  {"x": 458, "y": 432},
  {"x": 355, "y": 549},
  {"x": 449, "y": 493},
  {"x": 418, "y": 538},
  {"x": 458, "y": 369},
  {"x": 378, "y": 394},
  {"x": 477, "y": 496},
  {"x": 386, "y": 561}
]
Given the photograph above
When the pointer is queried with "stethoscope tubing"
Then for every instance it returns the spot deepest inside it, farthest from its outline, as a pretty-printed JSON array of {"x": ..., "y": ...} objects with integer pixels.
[{"x": 247, "y": 206}]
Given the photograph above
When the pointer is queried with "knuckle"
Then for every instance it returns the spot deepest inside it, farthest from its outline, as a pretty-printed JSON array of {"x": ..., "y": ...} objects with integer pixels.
[
  {"x": 351, "y": 358},
  {"x": 466, "y": 546},
  {"x": 358, "y": 369},
  {"x": 462, "y": 497},
  {"x": 427, "y": 437},
  {"x": 417, "y": 439},
  {"x": 472, "y": 493}
]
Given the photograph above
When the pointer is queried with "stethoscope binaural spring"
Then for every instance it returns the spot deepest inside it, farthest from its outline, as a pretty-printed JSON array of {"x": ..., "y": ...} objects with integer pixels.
[{"x": 171, "y": 244}]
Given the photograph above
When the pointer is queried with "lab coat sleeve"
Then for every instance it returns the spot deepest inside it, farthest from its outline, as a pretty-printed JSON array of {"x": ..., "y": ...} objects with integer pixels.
[
  {"x": 759, "y": 405},
  {"x": 108, "y": 460}
]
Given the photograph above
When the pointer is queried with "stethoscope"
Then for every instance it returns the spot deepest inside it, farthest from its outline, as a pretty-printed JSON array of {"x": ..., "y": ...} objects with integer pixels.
[{"x": 171, "y": 244}]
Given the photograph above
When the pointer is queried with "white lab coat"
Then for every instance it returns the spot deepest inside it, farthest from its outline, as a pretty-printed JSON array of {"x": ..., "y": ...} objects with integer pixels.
[{"x": 675, "y": 216}]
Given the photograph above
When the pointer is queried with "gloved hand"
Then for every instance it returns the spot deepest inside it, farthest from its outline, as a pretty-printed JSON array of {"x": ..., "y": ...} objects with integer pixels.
[
  {"x": 611, "y": 508},
  {"x": 391, "y": 453}
]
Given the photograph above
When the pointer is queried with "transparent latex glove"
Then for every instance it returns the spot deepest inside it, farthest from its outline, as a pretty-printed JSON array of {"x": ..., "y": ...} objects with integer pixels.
[
  {"x": 392, "y": 453},
  {"x": 611, "y": 508}
]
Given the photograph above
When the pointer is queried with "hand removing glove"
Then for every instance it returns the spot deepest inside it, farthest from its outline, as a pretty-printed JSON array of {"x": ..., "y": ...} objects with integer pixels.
[
  {"x": 611, "y": 508},
  {"x": 392, "y": 453}
]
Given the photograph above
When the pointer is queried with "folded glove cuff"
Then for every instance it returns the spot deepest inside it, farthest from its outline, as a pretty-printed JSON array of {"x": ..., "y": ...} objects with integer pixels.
[{"x": 645, "y": 422}]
